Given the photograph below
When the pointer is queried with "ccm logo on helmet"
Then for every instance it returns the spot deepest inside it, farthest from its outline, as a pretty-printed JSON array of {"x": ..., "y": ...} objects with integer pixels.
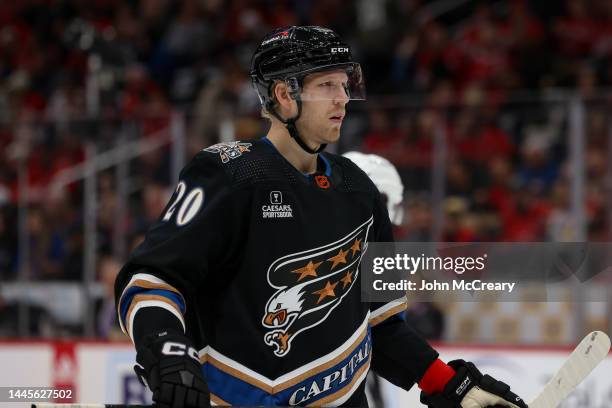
[
  {"x": 177, "y": 349},
  {"x": 336, "y": 50}
]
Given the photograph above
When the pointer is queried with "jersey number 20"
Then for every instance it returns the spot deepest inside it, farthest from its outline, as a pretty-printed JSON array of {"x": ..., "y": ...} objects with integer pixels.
[{"x": 188, "y": 208}]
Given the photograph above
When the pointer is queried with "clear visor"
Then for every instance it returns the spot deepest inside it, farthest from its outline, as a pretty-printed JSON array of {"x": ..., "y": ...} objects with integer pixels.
[{"x": 333, "y": 84}]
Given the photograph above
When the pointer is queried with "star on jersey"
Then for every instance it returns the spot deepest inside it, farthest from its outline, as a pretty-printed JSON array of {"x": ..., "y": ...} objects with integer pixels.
[
  {"x": 309, "y": 270},
  {"x": 338, "y": 259},
  {"x": 347, "y": 279},
  {"x": 307, "y": 287},
  {"x": 328, "y": 290}
]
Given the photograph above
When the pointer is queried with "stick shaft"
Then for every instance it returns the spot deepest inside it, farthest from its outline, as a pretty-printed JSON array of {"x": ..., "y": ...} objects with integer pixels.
[{"x": 587, "y": 355}]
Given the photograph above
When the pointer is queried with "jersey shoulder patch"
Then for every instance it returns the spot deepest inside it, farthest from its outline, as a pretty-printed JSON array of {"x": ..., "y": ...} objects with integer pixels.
[
  {"x": 220, "y": 160},
  {"x": 250, "y": 162},
  {"x": 229, "y": 150}
]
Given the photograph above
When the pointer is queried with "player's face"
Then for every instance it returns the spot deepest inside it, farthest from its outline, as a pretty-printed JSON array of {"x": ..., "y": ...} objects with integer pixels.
[{"x": 324, "y": 99}]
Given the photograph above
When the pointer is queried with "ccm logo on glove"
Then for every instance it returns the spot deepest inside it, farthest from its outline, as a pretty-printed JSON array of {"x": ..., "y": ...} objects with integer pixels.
[
  {"x": 463, "y": 385},
  {"x": 177, "y": 349}
]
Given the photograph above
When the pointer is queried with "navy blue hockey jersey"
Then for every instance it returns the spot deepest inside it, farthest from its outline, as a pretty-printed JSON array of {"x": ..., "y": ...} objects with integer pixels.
[{"x": 261, "y": 265}]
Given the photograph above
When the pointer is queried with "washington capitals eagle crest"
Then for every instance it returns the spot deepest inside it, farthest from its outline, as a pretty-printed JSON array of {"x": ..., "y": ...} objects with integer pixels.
[
  {"x": 310, "y": 285},
  {"x": 229, "y": 151}
]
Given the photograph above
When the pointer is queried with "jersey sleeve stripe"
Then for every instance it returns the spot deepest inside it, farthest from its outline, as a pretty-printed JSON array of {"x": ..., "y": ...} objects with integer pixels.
[
  {"x": 389, "y": 309},
  {"x": 136, "y": 291},
  {"x": 148, "y": 281},
  {"x": 146, "y": 277},
  {"x": 142, "y": 301},
  {"x": 153, "y": 285},
  {"x": 145, "y": 283},
  {"x": 141, "y": 282}
]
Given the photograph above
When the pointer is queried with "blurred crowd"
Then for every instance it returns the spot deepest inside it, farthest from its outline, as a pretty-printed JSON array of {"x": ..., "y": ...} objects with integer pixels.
[{"x": 487, "y": 78}]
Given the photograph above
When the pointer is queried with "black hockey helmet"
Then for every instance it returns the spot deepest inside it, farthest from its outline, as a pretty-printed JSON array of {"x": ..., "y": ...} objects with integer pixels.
[{"x": 289, "y": 54}]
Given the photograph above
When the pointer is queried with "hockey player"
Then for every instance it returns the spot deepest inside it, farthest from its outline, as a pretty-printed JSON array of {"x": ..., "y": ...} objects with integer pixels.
[{"x": 246, "y": 291}]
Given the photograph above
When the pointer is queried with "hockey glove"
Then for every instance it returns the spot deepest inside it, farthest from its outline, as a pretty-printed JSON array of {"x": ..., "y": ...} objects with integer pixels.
[
  {"x": 470, "y": 389},
  {"x": 169, "y": 366}
]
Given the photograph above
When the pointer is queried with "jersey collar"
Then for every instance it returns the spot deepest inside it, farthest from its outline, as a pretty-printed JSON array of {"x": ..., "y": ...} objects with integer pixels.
[{"x": 322, "y": 162}]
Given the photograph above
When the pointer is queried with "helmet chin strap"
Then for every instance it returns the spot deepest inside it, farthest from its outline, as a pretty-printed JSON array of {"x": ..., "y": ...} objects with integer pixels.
[{"x": 290, "y": 124}]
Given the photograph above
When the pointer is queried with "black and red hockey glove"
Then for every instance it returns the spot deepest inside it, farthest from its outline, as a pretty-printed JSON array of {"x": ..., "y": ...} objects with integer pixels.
[
  {"x": 169, "y": 366},
  {"x": 468, "y": 388}
]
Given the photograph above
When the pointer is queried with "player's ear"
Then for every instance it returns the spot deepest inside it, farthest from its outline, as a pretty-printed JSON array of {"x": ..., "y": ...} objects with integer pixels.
[{"x": 283, "y": 100}]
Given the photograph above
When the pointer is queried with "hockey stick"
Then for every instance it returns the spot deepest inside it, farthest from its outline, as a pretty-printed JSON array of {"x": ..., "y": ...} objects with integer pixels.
[{"x": 585, "y": 357}]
